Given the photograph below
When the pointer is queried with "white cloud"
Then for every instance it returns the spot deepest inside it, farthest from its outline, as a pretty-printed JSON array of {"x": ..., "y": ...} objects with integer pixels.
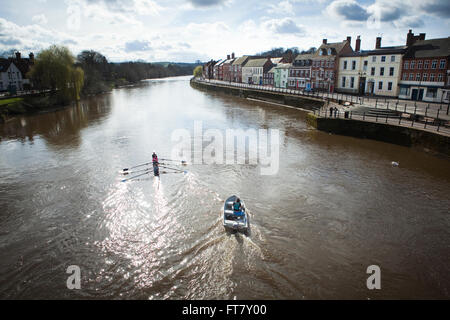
[
  {"x": 285, "y": 25},
  {"x": 347, "y": 10},
  {"x": 40, "y": 19},
  {"x": 283, "y": 8}
]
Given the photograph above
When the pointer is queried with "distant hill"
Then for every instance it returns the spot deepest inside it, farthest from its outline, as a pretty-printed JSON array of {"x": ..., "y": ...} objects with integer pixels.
[{"x": 179, "y": 64}]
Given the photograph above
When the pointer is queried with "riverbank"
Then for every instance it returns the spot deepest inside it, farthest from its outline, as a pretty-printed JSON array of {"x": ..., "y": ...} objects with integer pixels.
[
  {"x": 406, "y": 135},
  {"x": 305, "y": 103}
]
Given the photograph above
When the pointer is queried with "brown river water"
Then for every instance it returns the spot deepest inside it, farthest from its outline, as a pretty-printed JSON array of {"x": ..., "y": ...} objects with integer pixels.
[{"x": 335, "y": 207}]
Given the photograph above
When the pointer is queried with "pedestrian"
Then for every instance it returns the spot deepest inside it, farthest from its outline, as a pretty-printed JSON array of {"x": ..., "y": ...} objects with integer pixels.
[
  {"x": 335, "y": 111},
  {"x": 331, "y": 111}
]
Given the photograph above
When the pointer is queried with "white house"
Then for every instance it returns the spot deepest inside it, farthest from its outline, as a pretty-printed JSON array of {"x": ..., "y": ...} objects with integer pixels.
[
  {"x": 352, "y": 73},
  {"x": 253, "y": 71},
  {"x": 10, "y": 76}
]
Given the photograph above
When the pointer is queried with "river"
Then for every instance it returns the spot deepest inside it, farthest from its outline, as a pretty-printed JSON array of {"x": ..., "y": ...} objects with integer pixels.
[{"x": 335, "y": 206}]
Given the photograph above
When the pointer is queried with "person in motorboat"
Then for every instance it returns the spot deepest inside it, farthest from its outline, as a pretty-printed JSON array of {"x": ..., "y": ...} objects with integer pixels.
[{"x": 237, "y": 208}]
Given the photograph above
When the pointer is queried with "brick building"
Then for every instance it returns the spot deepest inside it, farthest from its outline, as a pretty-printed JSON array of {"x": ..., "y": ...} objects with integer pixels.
[
  {"x": 325, "y": 62},
  {"x": 425, "y": 73},
  {"x": 299, "y": 74}
]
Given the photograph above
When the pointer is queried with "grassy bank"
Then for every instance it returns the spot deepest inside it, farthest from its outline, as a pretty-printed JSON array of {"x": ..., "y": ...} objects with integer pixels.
[{"x": 31, "y": 104}]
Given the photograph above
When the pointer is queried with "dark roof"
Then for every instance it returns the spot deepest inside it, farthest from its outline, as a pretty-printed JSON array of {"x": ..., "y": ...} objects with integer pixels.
[
  {"x": 24, "y": 65},
  {"x": 4, "y": 64},
  {"x": 429, "y": 48},
  {"x": 336, "y": 47},
  {"x": 304, "y": 56},
  {"x": 388, "y": 50},
  {"x": 256, "y": 62},
  {"x": 240, "y": 60},
  {"x": 382, "y": 50}
]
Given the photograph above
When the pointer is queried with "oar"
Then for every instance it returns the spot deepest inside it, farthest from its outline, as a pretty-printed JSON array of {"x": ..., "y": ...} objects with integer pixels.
[
  {"x": 176, "y": 169},
  {"x": 139, "y": 165},
  {"x": 135, "y": 171},
  {"x": 182, "y": 161},
  {"x": 124, "y": 180},
  {"x": 162, "y": 172}
]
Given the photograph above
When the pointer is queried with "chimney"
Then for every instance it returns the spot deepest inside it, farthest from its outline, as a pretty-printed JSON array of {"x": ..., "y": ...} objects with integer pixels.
[
  {"x": 228, "y": 57},
  {"x": 358, "y": 44},
  {"x": 324, "y": 41},
  {"x": 232, "y": 55},
  {"x": 349, "y": 39},
  {"x": 18, "y": 55},
  {"x": 378, "y": 43},
  {"x": 410, "y": 38}
]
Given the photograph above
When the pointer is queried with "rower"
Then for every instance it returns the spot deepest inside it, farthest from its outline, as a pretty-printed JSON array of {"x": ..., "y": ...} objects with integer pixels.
[
  {"x": 155, "y": 164},
  {"x": 154, "y": 158}
]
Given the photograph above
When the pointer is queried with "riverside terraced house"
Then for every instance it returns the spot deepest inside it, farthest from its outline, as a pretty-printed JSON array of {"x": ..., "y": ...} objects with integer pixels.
[
  {"x": 373, "y": 72},
  {"x": 253, "y": 71},
  {"x": 300, "y": 72},
  {"x": 426, "y": 72},
  {"x": 325, "y": 62}
]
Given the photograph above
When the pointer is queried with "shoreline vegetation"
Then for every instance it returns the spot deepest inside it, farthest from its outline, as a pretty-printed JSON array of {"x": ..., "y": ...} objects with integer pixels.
[{"x": 88, "y": 74}]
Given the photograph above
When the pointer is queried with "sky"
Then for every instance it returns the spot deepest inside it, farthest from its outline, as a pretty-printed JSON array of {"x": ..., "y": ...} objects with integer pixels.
[{"x": 190, "y": 30}]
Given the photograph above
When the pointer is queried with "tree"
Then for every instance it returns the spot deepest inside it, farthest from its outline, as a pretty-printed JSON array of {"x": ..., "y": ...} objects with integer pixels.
[
  {"x": 198, "y": 71},
  {"x": 54, "y": 69}
]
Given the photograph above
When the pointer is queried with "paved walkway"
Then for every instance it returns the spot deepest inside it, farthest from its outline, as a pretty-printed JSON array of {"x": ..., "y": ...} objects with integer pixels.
[
  {"x": 425, "y": 109},
  {"x": 390, "y": 111}
]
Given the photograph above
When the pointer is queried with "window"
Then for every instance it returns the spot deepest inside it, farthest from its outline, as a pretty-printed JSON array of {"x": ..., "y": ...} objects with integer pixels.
[
  {"x": 431, "y": 92},
  {"x": 404, "y": 91},
  {"x": 440, "y": 77},
  {"x": 432, "y": 75},
  {"x": 413, "y": 64},
  {"x": 382, "y": 71},
  {"x": 419, "y": 64},
  {"x": 345, "y": 65},
  {"x": 380, "y": 85},
  {"x": 442, "y": 64},
  {"x": 425, "y": 77},
  {"x": 326, "y": 74},
  {"x": 392, "y": 58},
  {"x": 365, "y": 65},
  {"x": 343, "y": 82},
  {"x": 405, "y": 76},
  {"x": 434, "y": 64},
  {"x": 352, "y": 82},
  {"x": 406, "y": 65},
  {"x": 391, "y": 71},
  {"x": 374, "y": 59},
  {"x": 426, "y": 64},
  {"x": 372, "y": 71},
  {"x": 322, "y": 63},
  {"x": 411, "y": 76},
  {"x": 353, "y": 65},
  {"x": 383, "y": 58},
  {"x": 389, "y": 86},
  {"x": 418, "y": 77}
]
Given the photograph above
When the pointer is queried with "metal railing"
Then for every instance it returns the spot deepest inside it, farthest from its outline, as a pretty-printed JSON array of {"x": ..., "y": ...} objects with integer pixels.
[
  {"x": 435, "y": 117},
  {"x": 428, "y": 124},
  {"x": 427, "y": 109}
]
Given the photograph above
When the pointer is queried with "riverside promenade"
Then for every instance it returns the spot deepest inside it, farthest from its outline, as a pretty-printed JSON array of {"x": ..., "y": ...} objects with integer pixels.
[{"x": 431, "y": 117}]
